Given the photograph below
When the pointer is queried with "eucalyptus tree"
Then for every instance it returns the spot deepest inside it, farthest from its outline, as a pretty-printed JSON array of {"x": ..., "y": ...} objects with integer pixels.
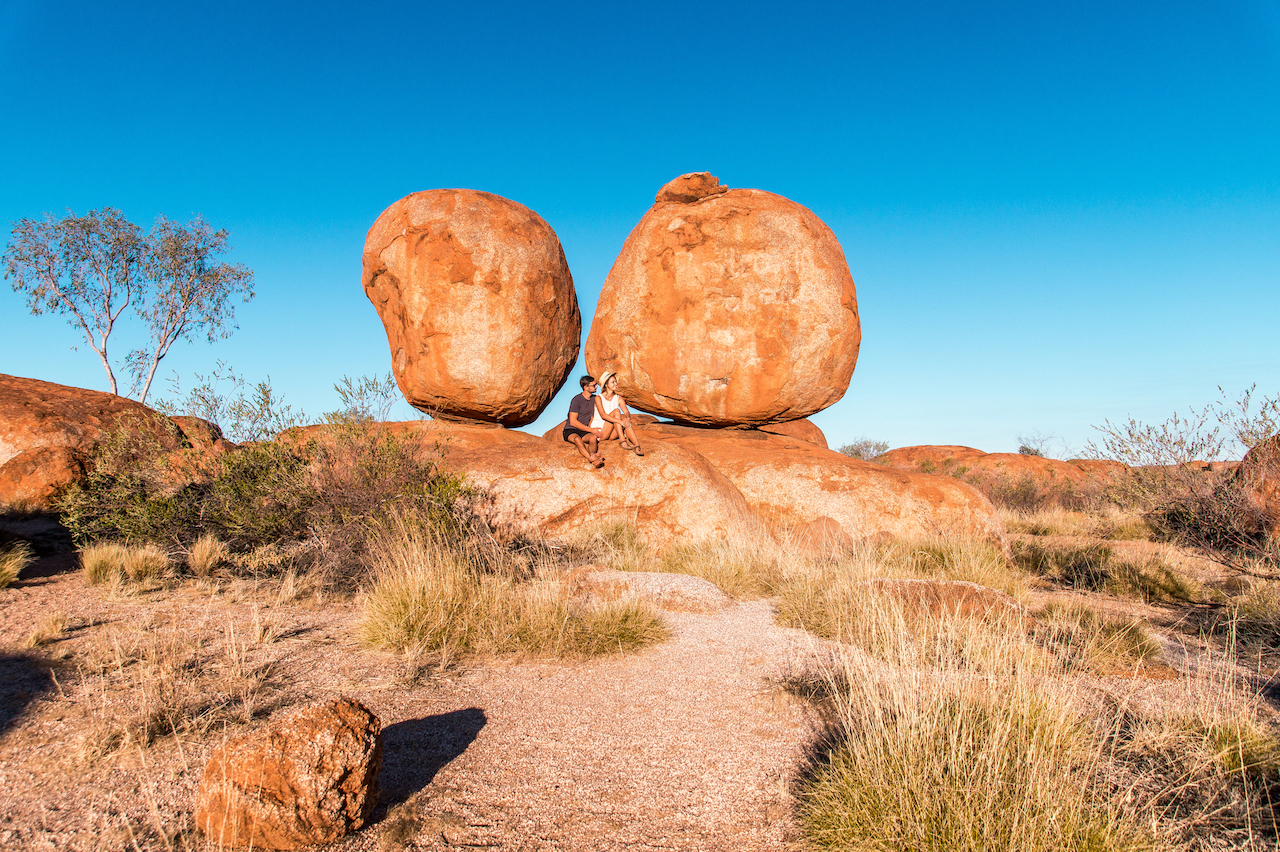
[{"x": 92, "y": 267}]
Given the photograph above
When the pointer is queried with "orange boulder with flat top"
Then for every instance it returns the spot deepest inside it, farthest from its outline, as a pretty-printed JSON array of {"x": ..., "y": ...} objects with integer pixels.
[{"x": 727, "y": 307}]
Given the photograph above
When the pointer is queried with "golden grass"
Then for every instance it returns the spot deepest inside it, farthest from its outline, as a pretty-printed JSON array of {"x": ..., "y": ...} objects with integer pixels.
[
  {"x": 1110, "y": 523},
  {"x": 13, "y": 561},
  {"x": 108, "y": 563},
  {"x": 1095, "y": 566},
  {"x": 50, "y": 628},
  {"x": 928, "y": 757},
  {"x": 139, "y": 686},
  {"x": 430, "y": 599},
  {"x": 207, "y": 555}
]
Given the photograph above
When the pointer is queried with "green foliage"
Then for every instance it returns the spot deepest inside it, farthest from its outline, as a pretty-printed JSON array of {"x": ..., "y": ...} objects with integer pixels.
[
  {"x": 367, "y": 399},
  {"x": 865, "y": 449},
  {"x": 92, "y": 267},
  {"x": 241, "y": 411},
  {"x": 335, "y": 491}
]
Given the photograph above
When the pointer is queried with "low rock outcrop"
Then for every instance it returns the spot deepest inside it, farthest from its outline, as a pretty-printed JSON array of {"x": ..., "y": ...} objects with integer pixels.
[
  {"x": 1043, "y": 480},
  {"x": 672, "y": 592},
  {"x": 794, "y": 485},
  {"x": 728, "y": 307},
  {"x": 477, "y": 302},
  {"x": 803, "y": 430},
  {"x": 48, "y": 431},
  {"x": 308, "y": 779}
]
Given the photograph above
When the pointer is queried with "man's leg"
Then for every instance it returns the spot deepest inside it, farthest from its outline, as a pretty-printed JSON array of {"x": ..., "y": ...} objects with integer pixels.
[{"x": 577, "y": 442}]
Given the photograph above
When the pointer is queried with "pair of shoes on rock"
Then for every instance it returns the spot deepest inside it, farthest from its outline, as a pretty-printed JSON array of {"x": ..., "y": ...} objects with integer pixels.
[
  {"x": 597, "y": 460},
  {"x": 635, "y": 448},
  {"x": 627, "y": 445}
]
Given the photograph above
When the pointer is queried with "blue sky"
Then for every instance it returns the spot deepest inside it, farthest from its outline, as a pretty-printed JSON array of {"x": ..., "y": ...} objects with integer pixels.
[{"x": 1055, "y": 213}]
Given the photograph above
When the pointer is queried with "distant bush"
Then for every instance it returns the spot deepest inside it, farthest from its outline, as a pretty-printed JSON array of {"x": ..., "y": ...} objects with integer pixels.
[
  {"x": 865, "y": 449},
  {"x": 1180, "y": 500}
]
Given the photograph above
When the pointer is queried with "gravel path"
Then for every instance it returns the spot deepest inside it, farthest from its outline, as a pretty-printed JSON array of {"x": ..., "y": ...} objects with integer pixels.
[{"x": 688, "y": 745}]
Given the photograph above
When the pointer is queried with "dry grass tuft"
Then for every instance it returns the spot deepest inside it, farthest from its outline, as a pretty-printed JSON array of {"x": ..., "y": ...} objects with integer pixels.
[
  {"x": 1110, "y": 523},
  {"x": 207, "y": 555},
  {"x": 143, "y": 566},
  {"x": 1088, "y": 641},
  {"x": 429, "y": 599},
  {"x": 13, "y": 561},
  {"x": 1096, "y": 567},
  {"x": 50, "y": 629},
  {"x": 140, "y": 686}
]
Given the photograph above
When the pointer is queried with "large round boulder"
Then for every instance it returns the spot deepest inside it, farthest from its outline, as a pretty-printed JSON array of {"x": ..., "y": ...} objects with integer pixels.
[
  {"x": 478, "y": 304},
  {"x": 727, "y": 307}
]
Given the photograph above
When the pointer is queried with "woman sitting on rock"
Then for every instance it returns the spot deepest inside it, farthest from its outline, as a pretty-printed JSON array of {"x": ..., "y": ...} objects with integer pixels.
[{"x": 612, "y": 420}]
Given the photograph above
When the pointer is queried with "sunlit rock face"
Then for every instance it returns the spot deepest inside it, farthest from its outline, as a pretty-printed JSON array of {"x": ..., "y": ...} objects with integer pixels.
[
  {"x": 727, "y": 307},
  {"x": 478, "y": 304}
]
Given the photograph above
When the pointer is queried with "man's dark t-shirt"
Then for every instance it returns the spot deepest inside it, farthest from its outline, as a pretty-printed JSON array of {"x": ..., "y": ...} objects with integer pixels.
[{"x": 584, "y": 408}]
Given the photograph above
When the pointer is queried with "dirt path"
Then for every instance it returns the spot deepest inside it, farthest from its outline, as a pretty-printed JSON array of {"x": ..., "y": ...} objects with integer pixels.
[{"x": 688, "y": 745}]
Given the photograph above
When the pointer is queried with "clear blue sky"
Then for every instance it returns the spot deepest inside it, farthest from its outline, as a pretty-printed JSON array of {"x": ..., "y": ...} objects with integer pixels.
[{"x": 1055, "y": 213}]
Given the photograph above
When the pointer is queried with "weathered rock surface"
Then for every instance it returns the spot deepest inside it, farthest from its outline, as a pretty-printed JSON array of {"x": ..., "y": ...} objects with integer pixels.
[
  {"x": 308, "y": 779},
  {"x": 672, "y": 592},
  {"x": 728, "y": 307},
  {"x": 793, "y": 485},
  {"x": 33, "y": 478},
  {"x": 1259, "y": 474},
  {"x": 803, "y": 430},
  {"x": 671, "y": 495},
  {"x": 951, "y": 598},
  {"x": 1055, "y": 481},
  {"x": 47, "y": 431},
  {"x": 478, "y": 304}
]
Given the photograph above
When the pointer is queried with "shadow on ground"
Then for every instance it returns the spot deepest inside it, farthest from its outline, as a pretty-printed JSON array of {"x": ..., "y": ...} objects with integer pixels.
[
  {"x": 414, "y": 750},
  {"x": 23, "y": 679}
]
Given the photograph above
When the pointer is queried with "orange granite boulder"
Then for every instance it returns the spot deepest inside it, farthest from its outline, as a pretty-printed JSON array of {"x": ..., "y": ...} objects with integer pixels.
[
  {"x": 727, "y": 307},
  {"x": 477, "y": 302}
]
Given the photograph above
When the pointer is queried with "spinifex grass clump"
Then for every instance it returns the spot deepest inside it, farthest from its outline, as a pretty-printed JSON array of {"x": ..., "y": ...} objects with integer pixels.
[
  {"x": 1097, "y": 567},
  {"x": 1087, "y": 640},
  {"x": 1109, "y": 522},
  {"x": 929, "y": 759},
  {"x": 434, "y": 598},
  {"x": 142, "y": 565}
]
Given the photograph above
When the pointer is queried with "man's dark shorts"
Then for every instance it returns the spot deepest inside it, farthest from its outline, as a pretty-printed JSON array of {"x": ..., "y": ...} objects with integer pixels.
[{"x": 570, "y": 431}]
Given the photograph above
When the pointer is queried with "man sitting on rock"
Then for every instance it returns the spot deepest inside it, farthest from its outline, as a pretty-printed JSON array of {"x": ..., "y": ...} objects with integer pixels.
[{"x": 577, "y": 429}]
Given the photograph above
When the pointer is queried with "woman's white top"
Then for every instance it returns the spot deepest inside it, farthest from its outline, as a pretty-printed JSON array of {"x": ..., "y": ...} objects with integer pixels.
[{"x": 611, "y": 406}]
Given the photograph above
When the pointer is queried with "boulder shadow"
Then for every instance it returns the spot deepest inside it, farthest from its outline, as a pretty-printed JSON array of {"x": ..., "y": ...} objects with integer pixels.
[
  {"x": 23, "y": 679},
  {"x": 414, "y": 750}
]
